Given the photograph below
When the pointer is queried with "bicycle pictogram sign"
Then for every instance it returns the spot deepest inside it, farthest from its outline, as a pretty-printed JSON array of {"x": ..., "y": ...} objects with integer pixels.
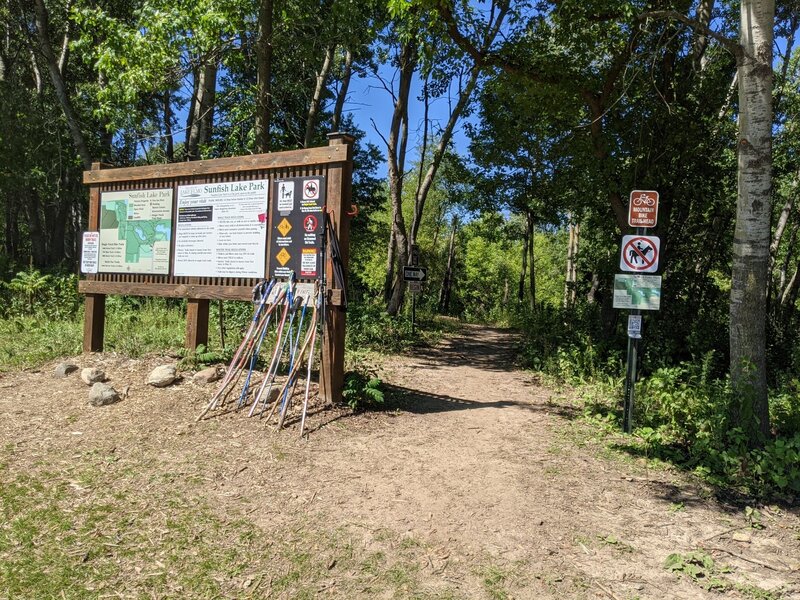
[
  {"x": 639, "y": 253},
  {"x": 643, "y": 208}
]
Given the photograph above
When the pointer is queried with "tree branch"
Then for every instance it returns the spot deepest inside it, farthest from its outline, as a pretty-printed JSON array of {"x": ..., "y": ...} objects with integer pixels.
[{"x": 731, "y": 45}]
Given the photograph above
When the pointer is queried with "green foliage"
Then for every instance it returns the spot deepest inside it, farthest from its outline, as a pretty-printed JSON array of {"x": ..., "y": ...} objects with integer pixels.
[
  {"x": 699, "y": 567},
  {"x": 370, "y": 328},
  {"x": 362, "y": 390},
  {"x": 200, "y": 357}
]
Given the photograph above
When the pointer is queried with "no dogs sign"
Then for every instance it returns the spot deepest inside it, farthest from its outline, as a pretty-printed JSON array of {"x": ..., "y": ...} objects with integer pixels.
[{"x": 639, "y": 253}]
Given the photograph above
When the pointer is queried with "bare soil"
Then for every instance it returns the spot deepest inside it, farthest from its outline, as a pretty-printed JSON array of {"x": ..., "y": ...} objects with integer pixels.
[{"x": 473, "y": 481}]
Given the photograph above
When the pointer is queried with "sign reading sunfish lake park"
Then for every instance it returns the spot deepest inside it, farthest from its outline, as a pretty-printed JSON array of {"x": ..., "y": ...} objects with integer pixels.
[
  {"x": 221, "y": 229},
  {"x": 637, "y": 291},
  {"x": 135, "y": 231}
]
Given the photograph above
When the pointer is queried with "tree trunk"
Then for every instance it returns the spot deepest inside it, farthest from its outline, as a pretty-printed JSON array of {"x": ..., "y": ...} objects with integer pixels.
[
  {"x": 531, "y": 261},
  {"x": 396, "y": 145},
  {"x": 447, "y": 280},
  {"x": 390, "y": 257},
  {"x": 752, "y": 232},
  {"x": 35, "y": 229},
  {"x": 340, "y": 99},
  {"x": 73, "y": 122},
  {"x": 572, "y": 253},
  {"x": 703, "y": 18},
  {"x": 202, "y": 120},
  {"x": 524, "y": 270},
  {"x": 264, "y": 77},
  {"x": 316, "y": 100},
  {"x": 169, "y": 150}
]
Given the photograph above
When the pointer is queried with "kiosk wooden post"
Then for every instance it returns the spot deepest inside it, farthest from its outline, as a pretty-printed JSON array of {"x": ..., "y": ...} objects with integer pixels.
[
  {"x": 333, "y": 162},
  {"x": 94, "y": 306},
  {"x": 339, "y": 197}
]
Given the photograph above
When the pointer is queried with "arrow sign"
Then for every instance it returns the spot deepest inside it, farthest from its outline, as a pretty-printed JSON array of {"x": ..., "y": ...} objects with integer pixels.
[
  {"x": 415, "y": 273},
  {"x": 639, "y": 253}
]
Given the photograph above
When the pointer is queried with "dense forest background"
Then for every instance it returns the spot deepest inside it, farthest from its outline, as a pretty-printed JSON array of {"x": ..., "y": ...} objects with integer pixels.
[{"x": 565, "y": 105}]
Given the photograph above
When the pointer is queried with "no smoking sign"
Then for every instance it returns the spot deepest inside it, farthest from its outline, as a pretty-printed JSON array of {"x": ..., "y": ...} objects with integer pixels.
[{"x": 639, "y": 253}]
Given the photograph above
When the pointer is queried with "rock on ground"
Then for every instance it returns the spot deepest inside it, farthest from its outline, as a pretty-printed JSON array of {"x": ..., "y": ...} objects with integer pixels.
[
  {"x": 102, "y": 394},
  {"x": 64, "y": 369},
  {"x": 93, "y": 375},
  {"x": 208, "y": 375},
  {"x": 162, "y": 376}
]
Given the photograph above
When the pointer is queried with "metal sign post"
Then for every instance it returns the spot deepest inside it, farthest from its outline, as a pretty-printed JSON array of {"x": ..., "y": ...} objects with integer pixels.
[
  {"x": 639, "y": 254},
  {"x": 414, "y": 276}
]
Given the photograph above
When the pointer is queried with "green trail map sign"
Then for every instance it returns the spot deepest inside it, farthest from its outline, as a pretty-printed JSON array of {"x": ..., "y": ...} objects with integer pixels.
[
  {"x": 135, "y": 231},
  {"x": 641, "y": 292}
]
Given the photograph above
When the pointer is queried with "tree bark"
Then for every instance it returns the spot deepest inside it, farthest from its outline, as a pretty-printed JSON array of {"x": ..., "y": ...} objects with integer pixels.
[
  {"x": 203, "y": 117},
  {"x": 264, "y": 77},
  {"x": 703, "y": 18},
  {"x": 752, "y": 231},
  {"x": 396, "y": 145},
  {"x": 316, "y": 100},
  {"x": 390, "y": 259},
  {"x": 73, "y": 123},
  {"x": 570, "y": 280},
  {"x": 447, "y": 281},
  {"x": 169, "y": 150},
  {"x": 340, "y": 99},
  {"x": 532, "y": 260},
  {"x": 524, "y": 270}
]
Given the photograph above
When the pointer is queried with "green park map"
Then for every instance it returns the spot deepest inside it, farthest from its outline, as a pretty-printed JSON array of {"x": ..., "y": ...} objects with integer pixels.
[{"x": 135, "y": 231}]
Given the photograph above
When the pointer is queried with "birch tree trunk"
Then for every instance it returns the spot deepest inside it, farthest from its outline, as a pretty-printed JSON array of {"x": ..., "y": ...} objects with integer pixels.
[{"x": 751, "y": 242}]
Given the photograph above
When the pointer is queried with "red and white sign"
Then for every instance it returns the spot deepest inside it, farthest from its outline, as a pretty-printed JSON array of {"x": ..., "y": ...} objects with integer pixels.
[
  {"x": 90, "y": 252},
  {"x": 643, "y": 209},
  {"x": 311, "y": 189},
  {"x": 310, "y": 224},
  {"x": 639, "y": 253}
]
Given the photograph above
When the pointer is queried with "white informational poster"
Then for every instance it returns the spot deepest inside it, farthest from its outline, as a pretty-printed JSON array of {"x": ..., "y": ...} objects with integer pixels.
[
  {"x": 89, "y": 252},
  {"x": 135, "y": 231},
  {"x": 221, "y": 229}
]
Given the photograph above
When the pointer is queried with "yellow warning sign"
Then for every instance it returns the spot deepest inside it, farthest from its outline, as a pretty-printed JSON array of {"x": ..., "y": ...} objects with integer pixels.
[
  {"x": 283, "y": 256},
  {"x": 284, "y": 227}
]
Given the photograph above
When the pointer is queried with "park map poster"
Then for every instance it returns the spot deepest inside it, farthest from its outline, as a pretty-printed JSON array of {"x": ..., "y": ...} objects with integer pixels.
[{"x": 135, "y": 231}]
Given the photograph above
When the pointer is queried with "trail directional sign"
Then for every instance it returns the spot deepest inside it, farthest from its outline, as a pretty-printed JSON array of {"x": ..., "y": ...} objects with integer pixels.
[
  {"x": 415, "y": 273},
  {"x": 639, "y": 253},
  {"x": 643, "y": 208}
]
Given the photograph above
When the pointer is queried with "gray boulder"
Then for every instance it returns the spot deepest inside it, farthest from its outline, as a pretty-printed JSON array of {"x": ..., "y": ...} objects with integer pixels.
[
  {"x": 93, "y": 375},
  {"x": 162, "y": 376},
  {"x": 102, "y": 394},
  {"x": 64, "y": 369}
]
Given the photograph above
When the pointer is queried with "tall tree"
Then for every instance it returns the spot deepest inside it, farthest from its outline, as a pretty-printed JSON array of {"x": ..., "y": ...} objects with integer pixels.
[{"x": 751, "y": 240}]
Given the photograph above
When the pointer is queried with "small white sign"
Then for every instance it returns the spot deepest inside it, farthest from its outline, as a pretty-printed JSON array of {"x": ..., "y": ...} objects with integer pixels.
[
  {"x": 635, "y": 326},
  {"x": 415, "y": 287},
  {"x": 89, "y": 252},
  {"x": 285, "y": 196}
]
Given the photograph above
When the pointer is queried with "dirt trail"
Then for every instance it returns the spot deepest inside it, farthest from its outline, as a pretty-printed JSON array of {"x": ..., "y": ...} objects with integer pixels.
[{"x": 479, "y": 479}]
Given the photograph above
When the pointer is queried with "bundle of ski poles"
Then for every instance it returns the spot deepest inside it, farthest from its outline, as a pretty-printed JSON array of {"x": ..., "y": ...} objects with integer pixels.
[{"x": 283, "y": 334}]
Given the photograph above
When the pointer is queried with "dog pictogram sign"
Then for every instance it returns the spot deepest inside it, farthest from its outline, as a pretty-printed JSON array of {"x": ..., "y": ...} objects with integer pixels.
[{"x": 639, "y": 253}]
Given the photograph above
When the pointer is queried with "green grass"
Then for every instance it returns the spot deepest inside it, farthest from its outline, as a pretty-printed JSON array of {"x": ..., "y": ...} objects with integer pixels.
[{"x": 85, "y": 525}]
